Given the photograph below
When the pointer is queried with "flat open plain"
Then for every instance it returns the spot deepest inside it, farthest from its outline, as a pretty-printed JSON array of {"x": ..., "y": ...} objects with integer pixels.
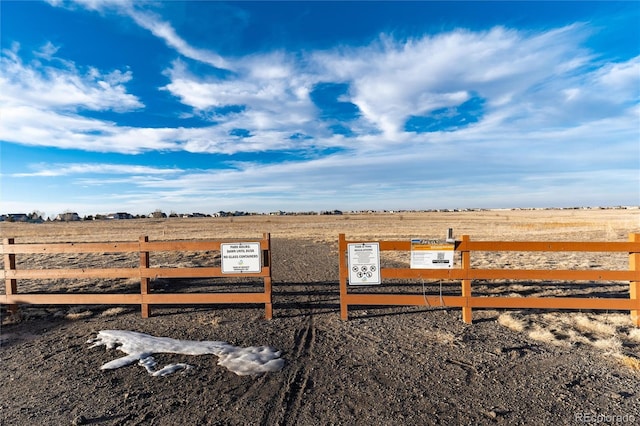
[{"x": 385, "y": 365}]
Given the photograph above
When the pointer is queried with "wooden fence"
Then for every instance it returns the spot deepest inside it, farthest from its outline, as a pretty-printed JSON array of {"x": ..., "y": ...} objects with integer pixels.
[
  {"x": 144, "y": 272},
  {"x": 466, "y": 275}
]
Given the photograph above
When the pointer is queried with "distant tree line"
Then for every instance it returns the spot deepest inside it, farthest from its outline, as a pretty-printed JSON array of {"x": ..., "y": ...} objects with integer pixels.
[{"x": 69, "y": 216}]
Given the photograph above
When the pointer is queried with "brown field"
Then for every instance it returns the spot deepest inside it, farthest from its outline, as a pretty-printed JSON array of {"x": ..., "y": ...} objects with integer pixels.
[
  {"x": 508, "y": 225},
  {"x": 396, "y": 365}
]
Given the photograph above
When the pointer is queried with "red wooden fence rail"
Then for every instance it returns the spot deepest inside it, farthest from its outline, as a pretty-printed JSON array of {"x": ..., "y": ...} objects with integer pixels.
[
  {"x": 466, "y": 275},
  {"x": 144, "y": 272}
]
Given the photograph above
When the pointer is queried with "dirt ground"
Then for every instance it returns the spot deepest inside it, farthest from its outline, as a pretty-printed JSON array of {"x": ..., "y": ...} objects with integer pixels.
[{"x": 385, "y": 366}]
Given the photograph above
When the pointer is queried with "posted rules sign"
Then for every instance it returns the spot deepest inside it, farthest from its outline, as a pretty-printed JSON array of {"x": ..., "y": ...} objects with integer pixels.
[
  {"x": 431, "y": 254},
  {"x": 240, "y": 258},
  {"x": 364, "y": 263}
]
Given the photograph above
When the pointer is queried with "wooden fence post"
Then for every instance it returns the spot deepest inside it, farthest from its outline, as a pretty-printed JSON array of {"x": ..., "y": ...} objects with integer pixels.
[
  {"x": 634, "y": 285},
  {"x": 467, "y": 315},
  {"x": 144, "y": 280},
  {"x": 342, "y": 248},
  {"x": 268, "y": 308},
  {"x": 11, "y": 284}
]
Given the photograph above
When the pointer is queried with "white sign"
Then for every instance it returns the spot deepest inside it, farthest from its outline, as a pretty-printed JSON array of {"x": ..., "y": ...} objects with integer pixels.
[
  {"x": 364, "y": 263},
  {"x": 431, "y": 254},
  {"x": 239, "y": 258}
]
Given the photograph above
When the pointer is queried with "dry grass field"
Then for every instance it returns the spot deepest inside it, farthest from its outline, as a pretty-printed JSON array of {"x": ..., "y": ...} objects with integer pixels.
[
  {"x": 507, "y": 225},
  {"x": 413, "y": 365}
]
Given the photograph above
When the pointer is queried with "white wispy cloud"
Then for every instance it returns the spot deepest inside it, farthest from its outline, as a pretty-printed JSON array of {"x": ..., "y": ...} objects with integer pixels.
[
  {"x": 351, "y": 182},
  {"x": 35, "y": 126},
  {"x": 394, "y": 79},
  {"x": 47, "y": 51},
  {"x": 140, "y": 11},
  {"x": 528, "y": 80},
  {"x": 167, "y": 33},
  {"x": 67, "y": 169},
  {"x": 271, "y": 88},
  {"x": 45, "y": 85}
]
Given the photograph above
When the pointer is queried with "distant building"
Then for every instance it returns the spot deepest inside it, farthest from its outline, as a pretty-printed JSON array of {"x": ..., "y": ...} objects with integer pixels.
[
  {"x": 120, "y": 215},
  {"x": 16, "y": 217},
  {"x": 67, "y": 217}
]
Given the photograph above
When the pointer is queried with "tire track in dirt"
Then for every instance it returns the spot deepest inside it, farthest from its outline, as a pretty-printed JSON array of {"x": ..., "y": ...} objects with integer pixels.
[
  {"x": 252, "y": 391},
  {"x": 297, "y": 299},
  {"x": 300, "y": 291},
  {"x": 291, "y": 395}
]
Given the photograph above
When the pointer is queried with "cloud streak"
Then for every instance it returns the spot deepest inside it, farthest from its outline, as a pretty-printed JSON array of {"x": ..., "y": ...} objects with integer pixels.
[
  {"x": 66, "y": 169},
  {"x": 47, "y": 85}
]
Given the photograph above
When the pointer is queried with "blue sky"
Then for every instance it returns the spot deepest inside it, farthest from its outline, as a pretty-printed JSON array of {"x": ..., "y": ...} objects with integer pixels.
[{"x": 259, "y": 106}]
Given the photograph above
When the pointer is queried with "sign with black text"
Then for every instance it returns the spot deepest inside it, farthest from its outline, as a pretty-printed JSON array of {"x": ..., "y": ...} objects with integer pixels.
[
  {"x": 240, "y": 258},
  {"x": 431, "y": 254},
  {"x": 364, "y": 263}
]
